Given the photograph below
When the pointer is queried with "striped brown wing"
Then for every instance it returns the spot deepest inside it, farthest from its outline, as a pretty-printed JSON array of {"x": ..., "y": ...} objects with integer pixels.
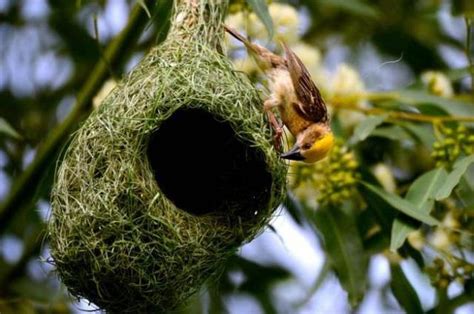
[{"x": 311, "y": 105}]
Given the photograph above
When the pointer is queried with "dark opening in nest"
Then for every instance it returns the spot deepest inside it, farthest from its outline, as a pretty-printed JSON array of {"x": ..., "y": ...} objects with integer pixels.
[{"x": 202, "y": 166}]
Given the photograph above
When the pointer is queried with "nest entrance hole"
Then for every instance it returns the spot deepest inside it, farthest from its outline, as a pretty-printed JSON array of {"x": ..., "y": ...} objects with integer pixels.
[{"x": 202, "y": 166}]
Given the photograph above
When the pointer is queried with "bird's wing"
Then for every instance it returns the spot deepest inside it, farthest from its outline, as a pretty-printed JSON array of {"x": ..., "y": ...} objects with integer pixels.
[{"x": 310, "y": 104}]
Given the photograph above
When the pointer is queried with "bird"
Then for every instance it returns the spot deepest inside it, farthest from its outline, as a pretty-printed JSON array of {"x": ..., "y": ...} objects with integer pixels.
[{"x": 298, "y": 100}]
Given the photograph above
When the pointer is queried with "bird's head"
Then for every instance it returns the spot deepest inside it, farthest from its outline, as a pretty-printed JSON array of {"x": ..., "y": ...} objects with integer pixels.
[{"x": 313, "y": 144}]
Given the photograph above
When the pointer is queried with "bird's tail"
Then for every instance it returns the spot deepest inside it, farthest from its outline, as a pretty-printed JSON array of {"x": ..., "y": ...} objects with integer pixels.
[
  {"x": 234, "y": 33},
  {"x": 265, "y": 58}
]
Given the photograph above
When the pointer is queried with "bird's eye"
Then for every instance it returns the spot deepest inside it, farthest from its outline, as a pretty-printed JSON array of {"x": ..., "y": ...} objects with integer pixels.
[{"x": 306, "y": 146}]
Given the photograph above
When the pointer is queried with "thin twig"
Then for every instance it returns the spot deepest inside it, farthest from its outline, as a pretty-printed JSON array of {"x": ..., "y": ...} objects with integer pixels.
[
  {"x": 470, "y": 59},
  {"x": 452, "y": 304}
]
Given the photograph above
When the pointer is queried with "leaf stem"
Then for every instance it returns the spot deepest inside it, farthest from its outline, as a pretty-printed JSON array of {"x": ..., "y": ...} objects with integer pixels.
[{"x": 450, "y": 305}]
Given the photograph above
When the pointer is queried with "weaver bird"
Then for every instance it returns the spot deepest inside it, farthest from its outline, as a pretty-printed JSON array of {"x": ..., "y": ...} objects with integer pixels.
[{"x": 298, "y": 100}]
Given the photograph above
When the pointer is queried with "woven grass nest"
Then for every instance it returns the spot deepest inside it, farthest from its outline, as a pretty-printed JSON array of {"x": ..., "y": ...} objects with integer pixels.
[{"x": 168, "y": 177}]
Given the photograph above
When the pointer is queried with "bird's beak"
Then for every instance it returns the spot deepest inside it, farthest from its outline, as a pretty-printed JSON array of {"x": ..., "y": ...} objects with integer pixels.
[{"x": 293, "y": 154}]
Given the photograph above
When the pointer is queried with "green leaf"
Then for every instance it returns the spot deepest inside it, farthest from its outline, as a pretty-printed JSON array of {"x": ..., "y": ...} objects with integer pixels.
[
  {"x": 355, "y": 7},
  {"x": 460, "y": 167},
  {"x": 431, "y": 109},
  {"x": 458, "y": 73},
  {"x": 162, "y": 17},
  {"x": 421, "y": 194},
  {"x": 423, "y": 133},
  {"x": 260, "y": 280},
  {"x": 261, "y": 9},
  {"x": 425, "y": 187},
  {"x": 393, "y": 132},
  {"x": 418, "y": 98},
  {"x": 383, "y": 213},
  {"x": 365, "y": 127},
  {"x": 402, "y": 205},
  {"x": 294, "y": 208},
  {"x": 404, "y": 292},
  {"x": 401, "y": 228},
  {"x": 464, "y": 191},
  {"x": 7, "y": 129},
  {"x": 345, "y": 250}
]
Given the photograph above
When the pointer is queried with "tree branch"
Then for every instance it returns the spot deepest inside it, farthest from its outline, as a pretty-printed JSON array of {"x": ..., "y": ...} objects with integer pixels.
[{"x": 341, "y": 103}]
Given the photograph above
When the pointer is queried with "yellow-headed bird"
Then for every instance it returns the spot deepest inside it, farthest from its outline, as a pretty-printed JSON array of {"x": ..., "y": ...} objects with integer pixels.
[{"x": 298, "y": 100}]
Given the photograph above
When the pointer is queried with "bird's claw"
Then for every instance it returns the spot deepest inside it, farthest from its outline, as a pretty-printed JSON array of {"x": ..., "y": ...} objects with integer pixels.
[
  {"x": 277, "y": 138},
  {"x": 277, "y": 128}
]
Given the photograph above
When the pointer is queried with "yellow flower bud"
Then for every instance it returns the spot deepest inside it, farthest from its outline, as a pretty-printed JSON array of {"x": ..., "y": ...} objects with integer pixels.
[
  {"x": 385, "y": 177},
  {"x": 443, "y": 283},
  {"x": 437, "y": 83},
  {"x": 451, "y": 221},
  {"x": 416, "y": 239},
  {"x": 440, "y": 239},
  {"x": 449, "y": 141},
  {"x": 352, "y": 164}
]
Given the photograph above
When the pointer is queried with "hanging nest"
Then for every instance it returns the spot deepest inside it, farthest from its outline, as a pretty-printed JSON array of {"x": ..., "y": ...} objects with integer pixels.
[{"x": 172, "y": 173}]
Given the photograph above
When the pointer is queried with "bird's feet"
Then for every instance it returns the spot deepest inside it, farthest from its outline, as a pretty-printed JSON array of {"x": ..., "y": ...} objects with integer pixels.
[
  {"x": 268, "y": 105},
  {"x": 277, "y": 129},
  {"x": 277, "y": 137}
]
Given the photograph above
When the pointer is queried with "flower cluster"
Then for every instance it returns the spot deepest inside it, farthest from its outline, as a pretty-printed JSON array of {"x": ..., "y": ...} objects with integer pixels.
[
  {"x": 336, "y": 177},
  {"x": 444, "y": 238},
  {"x": 442, "y": 273},
  {"x": 446, "y": 267},
  {"x": 329, "y": 182},
  {"x": 452, "y": 143}
]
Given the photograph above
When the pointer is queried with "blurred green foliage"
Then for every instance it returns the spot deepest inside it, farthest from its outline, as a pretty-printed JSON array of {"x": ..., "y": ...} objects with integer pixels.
[{"x": 413, "y": 199}]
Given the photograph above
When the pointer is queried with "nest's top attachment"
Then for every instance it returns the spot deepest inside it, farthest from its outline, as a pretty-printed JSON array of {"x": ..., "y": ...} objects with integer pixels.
[{"x": 168, "y": 177}]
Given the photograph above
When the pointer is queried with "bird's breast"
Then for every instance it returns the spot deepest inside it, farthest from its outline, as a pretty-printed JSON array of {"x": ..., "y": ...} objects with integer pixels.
[
  {"x": 281, "y": 85},
  {"x": 282, "y": 89},
  {"x": 293, "y": 121}
]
